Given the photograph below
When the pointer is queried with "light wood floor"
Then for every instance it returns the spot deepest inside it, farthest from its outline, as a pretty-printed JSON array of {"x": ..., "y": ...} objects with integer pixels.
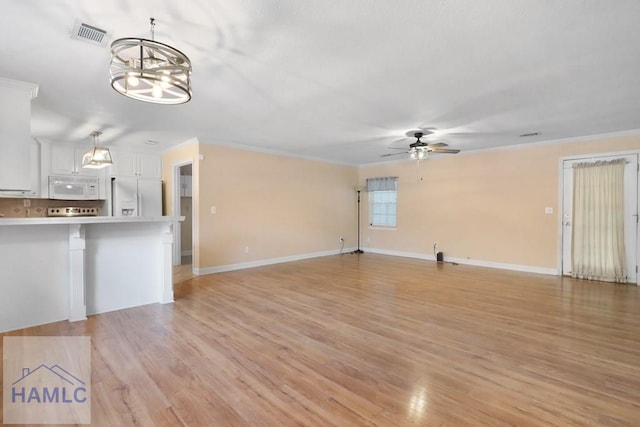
[
  {"x": 369, "y": 340},
  {"x": 182, "y": 272}
]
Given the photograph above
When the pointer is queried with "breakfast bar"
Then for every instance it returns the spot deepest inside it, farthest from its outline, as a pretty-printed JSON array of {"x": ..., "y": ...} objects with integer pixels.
[{"x": 54, "y": 269}]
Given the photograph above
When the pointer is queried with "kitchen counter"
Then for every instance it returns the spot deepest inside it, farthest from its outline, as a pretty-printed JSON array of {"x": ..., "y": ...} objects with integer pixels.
[
  {"x": 65, "y": 268},
  {"x": 86, "y": 220}
]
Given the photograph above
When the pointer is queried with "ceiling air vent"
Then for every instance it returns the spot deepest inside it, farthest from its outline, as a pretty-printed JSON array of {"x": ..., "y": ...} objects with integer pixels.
[
  {"x": 525, "y": 135},
  {"x": 89, "y": 33}
]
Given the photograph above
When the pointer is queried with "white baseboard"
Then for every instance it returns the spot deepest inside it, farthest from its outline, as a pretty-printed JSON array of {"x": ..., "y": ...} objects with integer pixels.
[
  {"x": 263, "y": 262},
  {"x": 465, "y": 261},
  {"x": 186, "y": 253}
]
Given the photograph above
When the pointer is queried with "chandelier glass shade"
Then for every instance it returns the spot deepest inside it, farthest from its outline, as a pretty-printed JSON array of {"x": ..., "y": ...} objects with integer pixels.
[
  {"x": 150, "y": 71},
  {"x": 97, "y": 157},
  {"x": 418, "y": 153}
]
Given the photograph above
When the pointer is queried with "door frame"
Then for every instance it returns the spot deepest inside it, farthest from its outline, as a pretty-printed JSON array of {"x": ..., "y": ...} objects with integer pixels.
[
  {"x": 177, "y": 232},
  {"x": 594, "y": 157}
]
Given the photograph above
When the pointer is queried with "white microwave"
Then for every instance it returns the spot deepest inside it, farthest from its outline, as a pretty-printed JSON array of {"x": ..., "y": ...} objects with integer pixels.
[{"x": 73, "y": 187}]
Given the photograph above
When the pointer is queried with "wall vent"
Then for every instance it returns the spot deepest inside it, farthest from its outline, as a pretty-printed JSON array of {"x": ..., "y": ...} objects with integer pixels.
[{"x": 89, "y": 33}]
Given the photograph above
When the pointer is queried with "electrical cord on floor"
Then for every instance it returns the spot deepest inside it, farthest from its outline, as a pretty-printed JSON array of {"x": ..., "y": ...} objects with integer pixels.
[{"x": 435, "y": 256}]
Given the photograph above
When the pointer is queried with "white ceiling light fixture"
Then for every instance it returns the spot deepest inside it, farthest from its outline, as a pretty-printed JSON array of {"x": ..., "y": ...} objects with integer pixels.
[
  {"x": 418, "y": 153},
  {"x": 150, "y": 71},
  {"x": 97, "y": 157}
]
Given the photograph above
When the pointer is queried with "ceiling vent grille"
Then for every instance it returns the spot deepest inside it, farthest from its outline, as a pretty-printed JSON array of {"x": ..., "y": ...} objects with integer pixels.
[
  {"x": 89, "y": 33},
  {"x": 528, "y": 134}
]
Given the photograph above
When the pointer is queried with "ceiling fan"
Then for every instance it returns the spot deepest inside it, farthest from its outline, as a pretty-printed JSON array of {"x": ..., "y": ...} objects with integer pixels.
[{"x": 419, "y": 150}]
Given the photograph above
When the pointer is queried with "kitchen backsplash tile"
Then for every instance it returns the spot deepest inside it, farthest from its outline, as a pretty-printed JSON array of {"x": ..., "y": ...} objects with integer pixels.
[{"x": 15, "y": 208}]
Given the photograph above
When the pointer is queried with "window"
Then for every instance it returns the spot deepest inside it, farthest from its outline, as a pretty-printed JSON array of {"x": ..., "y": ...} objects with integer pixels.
[{"x": 382, "y": 201}]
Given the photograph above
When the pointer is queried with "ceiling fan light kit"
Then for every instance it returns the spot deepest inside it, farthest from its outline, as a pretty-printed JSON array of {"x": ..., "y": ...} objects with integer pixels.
[
  {"x": 150, "y": 71},
  {"x": 418, "y": 153},
  {"x": 420, "y": 150}
]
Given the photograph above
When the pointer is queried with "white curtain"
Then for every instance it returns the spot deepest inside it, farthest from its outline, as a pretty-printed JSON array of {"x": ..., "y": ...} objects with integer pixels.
[{"x": 598, "y": 251}]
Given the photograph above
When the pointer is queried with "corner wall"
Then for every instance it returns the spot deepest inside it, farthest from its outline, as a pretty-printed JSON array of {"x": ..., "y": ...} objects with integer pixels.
[
  {"x": 183, "y": 153},
  {"x": 266, "y": 208},
  {"x": 270, "y": 207},
  {"x": 485, "y": 208},
  {"x": 186, "y": 152}
]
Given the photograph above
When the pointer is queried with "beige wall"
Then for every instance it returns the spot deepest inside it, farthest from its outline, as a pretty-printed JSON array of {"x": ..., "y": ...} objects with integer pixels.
[
  {"x": 186, "y": 152},
  {"x": 486, "y": 206},
  {"x": 275, "y": 206}
]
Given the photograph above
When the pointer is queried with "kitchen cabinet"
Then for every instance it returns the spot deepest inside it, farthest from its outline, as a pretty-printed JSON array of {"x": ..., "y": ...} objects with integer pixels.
[
  {"x": 66, "y": 159},
  {"x": 136, "y": 164},
  {"x": 68, "y": 268},
  {"x": 15, "y": 136},
  {"x": 34, "y": 176}
]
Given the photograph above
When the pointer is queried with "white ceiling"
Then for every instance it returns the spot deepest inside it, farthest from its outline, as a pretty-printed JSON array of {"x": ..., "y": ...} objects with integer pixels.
[{"x": 338, "y": 80}]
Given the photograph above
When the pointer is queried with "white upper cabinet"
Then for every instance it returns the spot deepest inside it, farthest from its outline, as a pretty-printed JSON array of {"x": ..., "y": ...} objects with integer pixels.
[
  {"x": 66, "y": 159},
  {"x": 15, "y": 135},
  {"x": 140, "y": 165}
]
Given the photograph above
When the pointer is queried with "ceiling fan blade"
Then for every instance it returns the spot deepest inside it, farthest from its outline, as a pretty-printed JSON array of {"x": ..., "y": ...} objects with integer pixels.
[
  {"x": 396, "y": 148},
  {"x": 393, "y": 154},
  {"x": 444, "y": 150},
  {"x": 439, "y": 144},
  {"x": 422, "y": 132}
]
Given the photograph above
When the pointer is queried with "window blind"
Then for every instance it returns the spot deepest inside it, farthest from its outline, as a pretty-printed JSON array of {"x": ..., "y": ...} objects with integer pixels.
[{"x": 382, "y": 201}]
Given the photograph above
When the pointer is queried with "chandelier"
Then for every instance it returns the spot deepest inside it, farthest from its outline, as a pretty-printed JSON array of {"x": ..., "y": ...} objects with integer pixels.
[
  {"x": 97, "y": 157},
  {"x": 150, "y": 71},
  {"x": 418, "y": 153}
]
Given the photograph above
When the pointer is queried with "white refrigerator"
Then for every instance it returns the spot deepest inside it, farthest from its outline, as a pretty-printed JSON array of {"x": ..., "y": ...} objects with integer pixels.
[{"x": 132, "y": 196}]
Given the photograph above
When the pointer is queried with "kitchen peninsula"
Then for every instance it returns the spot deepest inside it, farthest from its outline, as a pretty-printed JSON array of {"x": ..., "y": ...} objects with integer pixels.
[{"x": 54, "y": 269}]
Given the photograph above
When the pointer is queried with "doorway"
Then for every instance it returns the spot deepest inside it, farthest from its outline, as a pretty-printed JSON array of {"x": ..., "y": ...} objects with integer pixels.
[
  {"x": 630, "y": 211},
  {"x": 186, "y": 210},
  {"x": 183, "y": 206}
]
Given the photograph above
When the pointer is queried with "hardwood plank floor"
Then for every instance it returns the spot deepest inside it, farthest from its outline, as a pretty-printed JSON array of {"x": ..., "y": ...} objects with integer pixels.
[
  {"x": 369, "y": 340},
  {"x": 182, "y": 272}
]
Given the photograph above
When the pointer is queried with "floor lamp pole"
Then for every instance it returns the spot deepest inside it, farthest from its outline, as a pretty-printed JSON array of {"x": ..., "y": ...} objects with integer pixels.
[{"x": 358, "y": 251}]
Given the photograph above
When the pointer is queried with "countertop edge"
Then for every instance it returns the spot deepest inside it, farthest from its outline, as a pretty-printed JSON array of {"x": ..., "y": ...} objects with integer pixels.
[{"x": 87, "y": 220}]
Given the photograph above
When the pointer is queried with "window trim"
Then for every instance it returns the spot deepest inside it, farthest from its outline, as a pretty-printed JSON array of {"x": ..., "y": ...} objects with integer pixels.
[{"x": 382, "y": 184}]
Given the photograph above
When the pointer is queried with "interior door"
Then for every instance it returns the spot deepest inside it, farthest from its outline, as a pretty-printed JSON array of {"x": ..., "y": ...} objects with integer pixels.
[{"x": 630, "y": 212}]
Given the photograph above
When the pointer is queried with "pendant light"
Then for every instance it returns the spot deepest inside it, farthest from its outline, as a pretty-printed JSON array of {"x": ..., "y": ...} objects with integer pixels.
[
  {"x": 97, "y": 157},
  {"x": 150, "y": 71}
]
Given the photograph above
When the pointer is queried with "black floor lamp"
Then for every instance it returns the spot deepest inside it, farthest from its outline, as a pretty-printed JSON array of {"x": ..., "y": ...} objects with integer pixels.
[{"x": 358, "y": 251}]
